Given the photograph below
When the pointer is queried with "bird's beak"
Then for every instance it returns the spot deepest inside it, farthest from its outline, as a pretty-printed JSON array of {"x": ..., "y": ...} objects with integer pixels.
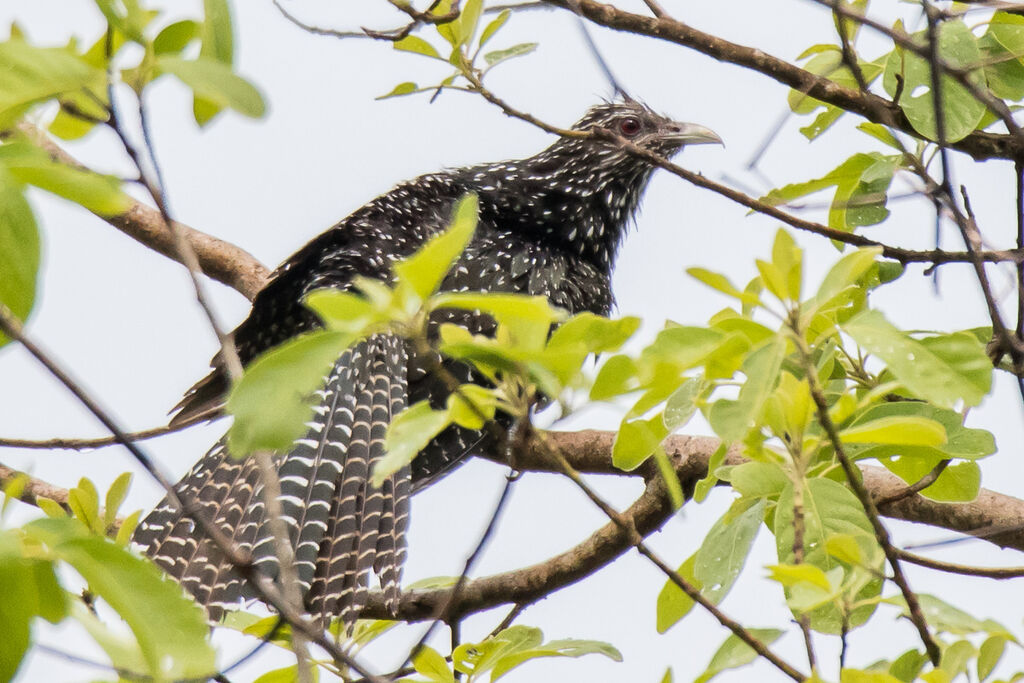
[{"x": 692, "y": 134}]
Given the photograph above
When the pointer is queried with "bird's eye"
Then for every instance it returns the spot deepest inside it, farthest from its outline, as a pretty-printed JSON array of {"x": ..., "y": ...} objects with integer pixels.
[{"x": 629, "y": 126}]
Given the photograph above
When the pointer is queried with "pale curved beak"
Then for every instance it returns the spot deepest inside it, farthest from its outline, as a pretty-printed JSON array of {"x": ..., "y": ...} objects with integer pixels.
[{"x": 693, "y": 134}]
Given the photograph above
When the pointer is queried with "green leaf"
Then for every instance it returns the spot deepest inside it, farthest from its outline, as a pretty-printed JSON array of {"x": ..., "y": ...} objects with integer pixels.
[
  {"x": 915, "y": 431},
  {"x": 829, "y": 509},
  {"x": 471, "y": 406},
  {"x": 636, "y": 441},
  {"x": 617, "y": 376},
  {"x": 942, "y": 370},
  {"x": 725, "y": 548},
  {"x": 942, "y": 616},
  {"x": 36, "y": 74},
  {"x": 756, "y": 479},
  {"x": 412, "y": 43},
  {"x": 880, "y": 132},
  {"x": 273, "y": 400},
  {"x": 734, "y": 653},
  {"x": 682, "y": 404},
  {"x": 97, "y": 193},
  {"x": 989, "y": 654},
  {"x": 555, "y": 648},
  {"x": 217, "y": 33},
  {"x": 216, "y": 83},
  {"x": 845, "y": 273},
  {"x": 423, "y": 271},
  {"x": 792, "y": 574},
  {"x": 499, "y": 56},
  {"x": 1001, "y": 48},
  {"x": 175, "y": 37},
  {"x": 595, "y": 333},
  {"x": 908, "y": 665},
  {"x": 673, "y": 604},
  {"x": 408, "y": 434},
  {"x": 217, "y": 45},
  {"x": 30, "y": 589},
  {"x": 788, "y": 259},
  {"x": 861, "y": 183},
  {"x": 721, "y": 283},
  {"x": 115, "y": 496},
  {"x": 84, "y": 502},
  {"x": 959, "y": 483},
  {"x": 468, "y": 20},
  {"x": 171, "y": 630},
  {"x": 51, "y": 507},
  {"x": 493, "y": 26},
  {"x": 429, "y": 663},
  {"x": 19, "y": 249},
  {"x": 731, "y": 419},
  {"x": 961, "y": 111},
  {"x": 405, "y": 88}
]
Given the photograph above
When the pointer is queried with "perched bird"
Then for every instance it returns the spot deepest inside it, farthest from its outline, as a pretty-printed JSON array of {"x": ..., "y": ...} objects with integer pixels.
[{"x": 549, "y": 225}]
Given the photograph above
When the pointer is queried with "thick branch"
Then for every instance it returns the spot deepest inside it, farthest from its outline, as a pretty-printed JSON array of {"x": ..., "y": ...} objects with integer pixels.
[
  {"x": 994, "y": 517},
  {"x": 220, "y": 260}
]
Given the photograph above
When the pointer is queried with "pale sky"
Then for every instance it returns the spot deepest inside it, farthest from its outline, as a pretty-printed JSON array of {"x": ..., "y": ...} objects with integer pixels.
[{"x": 124, "y": 320}]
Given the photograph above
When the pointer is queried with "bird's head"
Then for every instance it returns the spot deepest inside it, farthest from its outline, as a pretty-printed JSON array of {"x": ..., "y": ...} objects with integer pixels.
[{"x": 645, "y": 128}]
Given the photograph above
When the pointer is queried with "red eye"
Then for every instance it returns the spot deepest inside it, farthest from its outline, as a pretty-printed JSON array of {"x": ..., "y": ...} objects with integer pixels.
[{"x": 629, "y": 126}]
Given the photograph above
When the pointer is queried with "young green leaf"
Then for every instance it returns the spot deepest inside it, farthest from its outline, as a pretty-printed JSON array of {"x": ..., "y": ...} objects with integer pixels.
[
  {"x": 271, "y": 403},
  {"x": 171, "y": 629},
  {"x": 19, "y": 249},
  {"x": 215, "y": 82},
  {"x": 409, "y": 433},
  {"x": 406, "y": 88},
  {"x": 416, "y": 44},
  {"x": 494, "y": 26},
  {"x": 423, "y": 272},
  {"x": 36, "y": 74},
  {"x": 97, "y": 193},
  {"x": 498, "y": 56},
  {"x": 735, "y": 653},
  {"x": 217, "y": 44},
  {"x": 673, "y": 604}
]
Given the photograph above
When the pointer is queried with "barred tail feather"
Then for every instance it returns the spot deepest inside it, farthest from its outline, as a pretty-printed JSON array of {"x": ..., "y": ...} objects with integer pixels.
[{"x": 341, "y": 527}]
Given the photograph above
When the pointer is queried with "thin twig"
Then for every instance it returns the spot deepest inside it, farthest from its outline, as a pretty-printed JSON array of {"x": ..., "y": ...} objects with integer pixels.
[
  {"x": 99, "y": 442},
  {"x": 919, "y": 485},
  {"x": 984, "y": 572}
]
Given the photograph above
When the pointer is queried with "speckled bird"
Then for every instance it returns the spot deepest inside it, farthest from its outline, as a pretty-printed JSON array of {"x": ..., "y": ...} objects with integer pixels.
[{"x": 549, "y": 225}]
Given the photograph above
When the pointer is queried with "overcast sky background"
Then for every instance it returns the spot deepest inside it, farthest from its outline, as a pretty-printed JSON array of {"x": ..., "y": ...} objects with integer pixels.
[{"x": 123, "y": 318}]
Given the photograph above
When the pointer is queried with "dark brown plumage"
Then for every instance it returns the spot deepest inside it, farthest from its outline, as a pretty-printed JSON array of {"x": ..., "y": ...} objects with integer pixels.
[{"x": 549, "y": 225}]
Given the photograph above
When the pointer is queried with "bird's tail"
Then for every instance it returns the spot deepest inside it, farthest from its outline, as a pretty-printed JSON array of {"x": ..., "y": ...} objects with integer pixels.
[{"x": 341, "y": 526}]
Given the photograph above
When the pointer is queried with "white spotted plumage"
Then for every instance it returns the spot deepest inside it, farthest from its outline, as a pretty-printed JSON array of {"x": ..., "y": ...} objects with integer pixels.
[{"x": 549, "y": 225}]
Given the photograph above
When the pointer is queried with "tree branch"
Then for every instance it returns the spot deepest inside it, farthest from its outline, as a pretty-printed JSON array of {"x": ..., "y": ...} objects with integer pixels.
[
  {"x": 220, "y": 260},
  {"x": 979, "y": 145}
]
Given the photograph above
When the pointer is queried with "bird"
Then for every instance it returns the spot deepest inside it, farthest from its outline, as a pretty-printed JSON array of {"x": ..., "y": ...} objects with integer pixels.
[{"x": 550, "y": 225}]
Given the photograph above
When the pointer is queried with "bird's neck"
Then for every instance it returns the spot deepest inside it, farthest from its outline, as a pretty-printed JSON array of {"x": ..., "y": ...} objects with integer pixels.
[{"x": 586, "y": 217}]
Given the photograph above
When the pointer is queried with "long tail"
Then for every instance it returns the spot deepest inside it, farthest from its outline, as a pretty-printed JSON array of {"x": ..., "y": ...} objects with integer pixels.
[{"x": 341, "y": 526}]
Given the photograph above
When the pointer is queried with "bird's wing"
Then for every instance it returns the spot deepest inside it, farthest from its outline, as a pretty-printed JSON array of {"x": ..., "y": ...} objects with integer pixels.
[{"x": 341, "y": 526}]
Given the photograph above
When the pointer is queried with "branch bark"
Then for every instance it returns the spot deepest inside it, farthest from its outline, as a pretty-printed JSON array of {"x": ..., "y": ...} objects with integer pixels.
[
  {"x": 993, "y": 517},
  {"x": 220, "y": 260},
  {"x": 979, "y": 145}
]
